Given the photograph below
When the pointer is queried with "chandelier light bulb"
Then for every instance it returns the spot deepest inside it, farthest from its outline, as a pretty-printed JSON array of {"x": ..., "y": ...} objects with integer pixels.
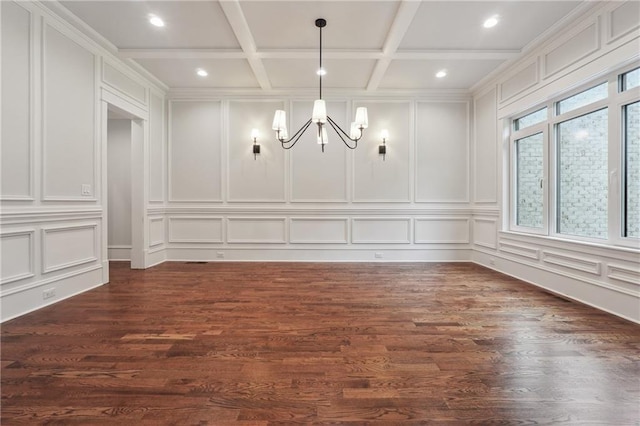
[
  {"x": 321, "y": 72},
  {"x": 441, "y": 73},
  {"x": 202, "y": 72}
]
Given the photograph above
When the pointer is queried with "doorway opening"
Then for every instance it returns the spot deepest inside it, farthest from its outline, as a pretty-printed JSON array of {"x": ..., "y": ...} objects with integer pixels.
[{"x": 123, "y": 212}]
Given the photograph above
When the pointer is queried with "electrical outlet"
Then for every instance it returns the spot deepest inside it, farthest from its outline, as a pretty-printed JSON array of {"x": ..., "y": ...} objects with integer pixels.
[
  {"x": 379, "y": 255},
  {"x": 49, "y": 293},
  {"x": 220, "y": 255},
  {"x": 86, "y": 190},
  {"x": 492, "y": 260}
]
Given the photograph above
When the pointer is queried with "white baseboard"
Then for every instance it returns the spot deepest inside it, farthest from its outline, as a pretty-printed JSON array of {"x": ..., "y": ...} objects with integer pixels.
[
  {"x": 31, "y": 299},
  {"x": 601, "y": 297},
  {"x": 318, "y": 255}
]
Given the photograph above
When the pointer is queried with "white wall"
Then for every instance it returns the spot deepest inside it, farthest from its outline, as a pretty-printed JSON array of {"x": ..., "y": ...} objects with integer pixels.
[
  {"x": 302, "y": 204},
  {"x": 119, "y": 189},
  {"x": 52, "y": 191},
  {"x": 605, "y": 277}
]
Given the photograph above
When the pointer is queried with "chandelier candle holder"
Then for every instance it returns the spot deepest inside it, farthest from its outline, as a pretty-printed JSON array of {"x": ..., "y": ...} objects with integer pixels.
[{"x": 320, "y": 118}]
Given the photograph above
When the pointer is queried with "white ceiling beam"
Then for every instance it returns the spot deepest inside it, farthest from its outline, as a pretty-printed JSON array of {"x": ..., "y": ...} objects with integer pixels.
[
  {"x": 182, "y": 53},
  {"x": 406, "y": 12},
  {"x": 240, "y": 27},
  {"x": 457, "y": 54},
  {"x": 313, "y": 54}
]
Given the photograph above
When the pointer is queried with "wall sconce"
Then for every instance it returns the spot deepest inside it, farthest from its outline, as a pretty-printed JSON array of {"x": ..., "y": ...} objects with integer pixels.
[
  {"x": 256, "y": 145},
  {"x": 382, "y": 149}
]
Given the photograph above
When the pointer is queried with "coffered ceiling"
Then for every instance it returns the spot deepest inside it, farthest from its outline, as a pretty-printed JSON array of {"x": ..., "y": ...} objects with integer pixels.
[{"x": 368, "y": 45}]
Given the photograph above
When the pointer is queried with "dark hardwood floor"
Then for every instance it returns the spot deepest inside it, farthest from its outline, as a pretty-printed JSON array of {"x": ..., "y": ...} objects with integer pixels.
[{"x": 365, "y": 343}]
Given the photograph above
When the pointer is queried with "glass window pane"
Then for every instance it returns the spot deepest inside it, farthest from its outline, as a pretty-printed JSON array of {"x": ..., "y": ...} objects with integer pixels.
[
  {"x": 583, "y": 98},
  {"x": 530, "y": 119},
  {"x": 632, "y": 169},
  {"x": 582, "y": 175},
  {"x": 631, "y": 79},
  {"x": 529, "y": 168}
]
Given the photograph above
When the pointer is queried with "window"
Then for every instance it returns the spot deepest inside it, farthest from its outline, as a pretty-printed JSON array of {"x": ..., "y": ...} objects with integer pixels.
[
  {"x": 631, "y": 135},
  {"x": 575, "y": 164},
  {"x": 530, "y": 119},
  {"x": 583, "y": 98},
  {"x": 582, "y": 175},
  {"x": 630, "y": 80},
  {"x": 529, "y": 170}
]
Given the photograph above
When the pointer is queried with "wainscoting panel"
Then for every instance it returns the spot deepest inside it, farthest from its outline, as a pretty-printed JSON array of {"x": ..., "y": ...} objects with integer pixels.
[
  {"x": 256, "y": 230},
  {"x": 441, "y": 230},
  {"x": 260, "y": 178},
  {"x": 385, "y": 181},
  {"x": 16, "y": 168},
  {"x": 381, "y": 230},
  {"x": 69, "y": 103},
  {"x": 485, "y": 151},
  {"x": 309, "y": 163},
  {"x": 18, "y": 255},
  {"x": 157, "y": 156},
  {"x": 442, "y": 152},
  {"x": 576, "y": 45},
  {"x": 318, "y": 230},
  {"x": 68, "y": 246},
  {"x": 156, "y": 231},
  {"x": 570, "y": 261},
  {"x": 195, "y": 229},
  {"x": 195, "y": 135},
  {"x": 485, "y": 232},
  {"x": 622, "y": 20},
  {"x": 521, "y": 80}
]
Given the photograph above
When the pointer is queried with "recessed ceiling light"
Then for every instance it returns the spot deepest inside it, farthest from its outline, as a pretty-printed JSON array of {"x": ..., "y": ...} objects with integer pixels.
[
  {"x": 201, "y": 72},
  {"x": 441, "y": 73},
  {"x": 156, "y": 21},
  {"x": 321, "y": 71},
  {"x": 491, "y": 21}
]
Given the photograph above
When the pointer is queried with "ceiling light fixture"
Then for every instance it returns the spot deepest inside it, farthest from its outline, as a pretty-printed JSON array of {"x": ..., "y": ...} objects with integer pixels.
[
  {"x": 156, "y": 21},
  {"x": 441, "y": 73},
  {"x": 202, "y": 72},
  {"x": 320, "y": 118},
  {"x": 491, "y": 21}
]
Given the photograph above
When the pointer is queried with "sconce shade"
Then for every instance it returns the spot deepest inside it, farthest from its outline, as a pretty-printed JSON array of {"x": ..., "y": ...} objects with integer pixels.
[
  {"x": 362, "y": 120},
  {"x": 319, "y": 114},
  {"x": 280, "y": 120}
]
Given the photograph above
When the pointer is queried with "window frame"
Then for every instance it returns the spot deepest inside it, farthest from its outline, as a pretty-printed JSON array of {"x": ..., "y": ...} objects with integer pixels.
[
  {"x": 615, "y": 101},
  {"x": 515, "y": 137}
]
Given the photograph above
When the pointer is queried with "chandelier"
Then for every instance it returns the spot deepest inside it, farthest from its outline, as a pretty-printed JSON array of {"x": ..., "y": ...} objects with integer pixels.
[{"x": 320, "y": 118}]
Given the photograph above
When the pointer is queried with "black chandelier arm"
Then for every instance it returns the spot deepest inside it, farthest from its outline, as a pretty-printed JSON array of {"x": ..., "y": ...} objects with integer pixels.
[
  {"x": 296, "y": 137},
  {"x": 344, "y": 134}
]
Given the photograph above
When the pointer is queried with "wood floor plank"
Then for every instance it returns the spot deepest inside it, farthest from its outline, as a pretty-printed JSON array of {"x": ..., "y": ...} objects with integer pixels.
[{"x": 279, "y": 343}]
